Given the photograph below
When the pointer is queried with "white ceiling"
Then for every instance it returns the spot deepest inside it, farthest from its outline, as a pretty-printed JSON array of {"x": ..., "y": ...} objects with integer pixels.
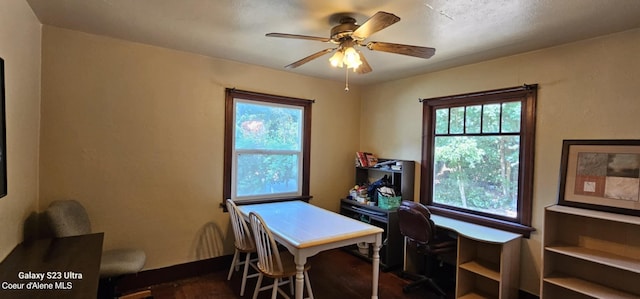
[{"x": 462, "y": 31}]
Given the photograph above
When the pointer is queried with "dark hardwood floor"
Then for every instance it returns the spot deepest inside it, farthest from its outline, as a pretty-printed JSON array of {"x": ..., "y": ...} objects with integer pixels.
[{"x": 333, "y": 274}]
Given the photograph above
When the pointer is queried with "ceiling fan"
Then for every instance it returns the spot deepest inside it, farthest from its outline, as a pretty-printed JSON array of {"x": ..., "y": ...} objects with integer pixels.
[{"x": 348, "y": 34}]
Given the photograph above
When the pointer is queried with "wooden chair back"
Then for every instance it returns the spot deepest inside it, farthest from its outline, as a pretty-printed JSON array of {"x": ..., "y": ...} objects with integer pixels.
[
  {"x": 269, "y": 261},
  {"x": 243, "y": 237}
]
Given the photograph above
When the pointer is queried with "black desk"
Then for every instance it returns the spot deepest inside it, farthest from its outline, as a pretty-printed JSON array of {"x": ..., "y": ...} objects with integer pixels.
[{"x": 53, "y": 268}]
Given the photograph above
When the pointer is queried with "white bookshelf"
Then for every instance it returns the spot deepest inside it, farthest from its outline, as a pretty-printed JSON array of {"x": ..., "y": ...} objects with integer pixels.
[{"x": 590, "y": 254}]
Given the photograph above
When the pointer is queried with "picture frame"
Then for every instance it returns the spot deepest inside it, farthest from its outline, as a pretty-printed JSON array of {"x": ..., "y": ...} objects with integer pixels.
[
  {"x": 601, "y": 175},
  {"x": 3, "y": 136}
]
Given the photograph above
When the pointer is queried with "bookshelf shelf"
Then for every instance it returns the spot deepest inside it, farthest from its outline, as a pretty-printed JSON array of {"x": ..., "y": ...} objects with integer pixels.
[{"x": 590, "y": 254}]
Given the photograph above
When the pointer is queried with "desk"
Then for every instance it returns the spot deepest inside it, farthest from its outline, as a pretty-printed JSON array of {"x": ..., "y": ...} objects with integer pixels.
[
  {"x": 488, "y": 260},
  {"x": 53, "y": 268},
  {"x": 306, "y": 230}
]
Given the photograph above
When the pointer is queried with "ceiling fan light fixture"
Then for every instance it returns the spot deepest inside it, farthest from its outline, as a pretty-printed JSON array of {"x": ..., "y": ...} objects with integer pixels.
[
  {"x": 346, "y": 56},
  {"x": 336, "y": 59},
  {"x": 351, "y": 58}
]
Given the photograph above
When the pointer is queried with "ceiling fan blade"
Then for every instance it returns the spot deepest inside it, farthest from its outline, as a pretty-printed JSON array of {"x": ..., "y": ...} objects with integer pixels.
[
  {"x": 416, "y": 51},
  {"x": 309, "y": 58},
  {"x": 297, "y": 36},
  {"x": 364, "y": 67},
  {"x": 374, "y": 24}
]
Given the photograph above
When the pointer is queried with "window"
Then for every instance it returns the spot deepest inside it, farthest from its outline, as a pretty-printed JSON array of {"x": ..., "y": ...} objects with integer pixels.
[
  {"x": 267, "y": 142},
  {"x": 478, "y": 157}
]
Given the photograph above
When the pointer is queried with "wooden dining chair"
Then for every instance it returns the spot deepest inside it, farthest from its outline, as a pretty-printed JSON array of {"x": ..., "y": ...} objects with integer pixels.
[
  {"x": 244, "y": 243},
  {"x": 272, "y": 263}
]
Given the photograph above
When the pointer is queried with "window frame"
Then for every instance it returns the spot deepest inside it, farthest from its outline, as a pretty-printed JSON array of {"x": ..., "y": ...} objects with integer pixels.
[
  {"x": 230, "y": 95},
  {"x": 527, "y": 94}
]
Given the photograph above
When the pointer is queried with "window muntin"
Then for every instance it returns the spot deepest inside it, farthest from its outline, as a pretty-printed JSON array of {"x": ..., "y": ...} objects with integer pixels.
[
  {"x": 267, "y": 140},
  {"x": 478, "y": 157}
]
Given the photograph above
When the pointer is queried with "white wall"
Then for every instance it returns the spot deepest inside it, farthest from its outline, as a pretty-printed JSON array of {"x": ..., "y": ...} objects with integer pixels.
[
  {"x": 135, "y": 133},
  {"x": 20, "y": 48},
  {"x": 587, "y": 90}
]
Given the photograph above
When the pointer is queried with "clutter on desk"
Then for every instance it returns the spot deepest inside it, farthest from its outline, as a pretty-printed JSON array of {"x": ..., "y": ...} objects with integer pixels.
[
  {"x": 360, "y": 194},
  {"x": 387, "y": 198},
  {"x": 389, "y": 202},
  {"x": 385, "y": 181},
  {"x": 380, "y": 193}
]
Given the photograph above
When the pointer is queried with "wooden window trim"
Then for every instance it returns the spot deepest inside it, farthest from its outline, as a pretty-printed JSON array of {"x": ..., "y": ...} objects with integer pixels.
[
  {"x": 230, "y": 94},
  {"x": 522, "y": 224}
]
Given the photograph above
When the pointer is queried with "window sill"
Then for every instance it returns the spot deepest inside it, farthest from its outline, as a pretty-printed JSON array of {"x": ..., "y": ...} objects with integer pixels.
[
  {"x": 517, "y": 228},
  {"x": 266, "y": 200}
]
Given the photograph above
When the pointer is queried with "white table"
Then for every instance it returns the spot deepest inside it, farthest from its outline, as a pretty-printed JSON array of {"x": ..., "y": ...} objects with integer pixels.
[{"x": 306, "y": 230}]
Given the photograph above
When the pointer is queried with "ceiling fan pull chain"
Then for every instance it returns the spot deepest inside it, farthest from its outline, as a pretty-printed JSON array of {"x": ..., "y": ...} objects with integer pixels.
[{"x": 346, "y": 87}]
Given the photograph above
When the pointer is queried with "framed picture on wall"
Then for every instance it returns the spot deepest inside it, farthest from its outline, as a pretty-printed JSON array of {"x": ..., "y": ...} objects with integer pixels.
[
  {"x": 601, "y": 175},
  {"x": 3, "y": 139}
]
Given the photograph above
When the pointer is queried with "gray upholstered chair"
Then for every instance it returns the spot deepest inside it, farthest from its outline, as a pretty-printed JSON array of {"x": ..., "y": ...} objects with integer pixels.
[{"x": 69, "y": 218}]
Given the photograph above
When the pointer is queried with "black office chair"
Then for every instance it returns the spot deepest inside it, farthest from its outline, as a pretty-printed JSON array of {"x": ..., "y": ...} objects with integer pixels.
[{"x": 420, "y": 233}]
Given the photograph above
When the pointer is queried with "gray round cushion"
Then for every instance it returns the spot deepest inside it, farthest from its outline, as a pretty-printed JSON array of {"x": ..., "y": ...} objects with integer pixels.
[{"x": 118, "y": 262}]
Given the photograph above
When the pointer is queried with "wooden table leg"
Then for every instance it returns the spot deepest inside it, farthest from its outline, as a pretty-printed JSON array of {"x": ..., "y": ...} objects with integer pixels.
[
  {"x": 376, "y": 267},
  {"x": 299, "y": 281}
]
